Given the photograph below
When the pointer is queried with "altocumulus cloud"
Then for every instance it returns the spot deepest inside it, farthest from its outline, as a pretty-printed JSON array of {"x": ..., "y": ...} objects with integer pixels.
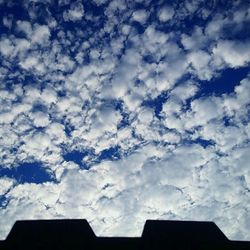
[{"x": 122, "y": 111}]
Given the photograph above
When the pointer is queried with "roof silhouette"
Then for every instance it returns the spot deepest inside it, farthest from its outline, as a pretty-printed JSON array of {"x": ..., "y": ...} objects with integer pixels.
[{"x": 157, "y": 234}]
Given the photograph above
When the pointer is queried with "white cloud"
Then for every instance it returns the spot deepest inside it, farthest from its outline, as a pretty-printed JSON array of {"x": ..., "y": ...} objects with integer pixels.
[
  {"x": 137, "y": 186},
  {"x": 21, "y": 46},
  {"x": 29, "y": 62},
  {"x": 220, "y": 24},
  {"x": 195, "y": 41},
  {"x": 171, "y": 137},
  {"x": 186, "y": 158},
  {"x": 5, "y": 184},
  {"x": 25, "y": 26},
  {"x": 8, "y": 137},
  {"x": 215, "y": 26},
  {"x": 99, "y": 2},
  {"x": 140, "y": 16},
  {"x": 49, "y": 95},
  {"x": 40, "y": 119},
  {"x": 185, "y": 91},
  {"x": 204, "y": 110},
  {"x": 200, "y": 62},
  {"x": 56, "y": 132},
  {"x": 41, "y": 34},
  {"x": 7, "y": 21},
  {"x": 6, "y": 47},
  {"x": 75, "y": 13},
  {"x": 8, "y": 117},
  {"x": 165, "y": 14},
  {"x": 125, "y": 73},
  {"x": 104, "y": 119},
  {"x": 234, "y": 53},
  {"x": 146, "y": 116},
  {"x": 36, "y": 33},
  {"x": 173, "y": 105}
]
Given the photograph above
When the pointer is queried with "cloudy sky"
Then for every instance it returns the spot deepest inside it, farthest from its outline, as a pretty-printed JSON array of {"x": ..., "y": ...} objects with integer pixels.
[{"x": 121, "y": 111}]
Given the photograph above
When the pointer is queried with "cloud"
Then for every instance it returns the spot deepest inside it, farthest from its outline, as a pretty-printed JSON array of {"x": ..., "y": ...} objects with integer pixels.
[
  {"x": 104, "y": 119},
  {"x": 25, "y": 27},
  {"x": 6, "y": 47},
  {"x": 7, "y": 21},
  {"x": 140, "y": 16},
  {"x": 40, "y": 34},
  {"x": 126, "y": 88},
  {"x": 194, "y": 41},
  {"x": 40, "y": 119},
  {"x": 37, "y": 33},
  {"x": 200, "y": 62},
  {"x": 139, "y": 186},
  {"x": 75, "y": 13},
  {"x": 165, "y": 14},
  {"x": 5, "y": 185},
  {"x": 233, "y": 53}
]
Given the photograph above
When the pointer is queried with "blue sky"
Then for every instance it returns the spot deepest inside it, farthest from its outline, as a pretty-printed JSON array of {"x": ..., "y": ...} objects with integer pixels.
[{"x": 121, "y": 111}]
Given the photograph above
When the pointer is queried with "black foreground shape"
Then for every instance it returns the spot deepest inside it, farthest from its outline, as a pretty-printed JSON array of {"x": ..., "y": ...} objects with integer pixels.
[{"x": 157, "y": 235}]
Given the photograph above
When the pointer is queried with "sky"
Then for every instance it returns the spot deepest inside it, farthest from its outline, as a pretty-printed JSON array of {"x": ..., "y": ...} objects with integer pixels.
[{"x": 121, "y": 111}]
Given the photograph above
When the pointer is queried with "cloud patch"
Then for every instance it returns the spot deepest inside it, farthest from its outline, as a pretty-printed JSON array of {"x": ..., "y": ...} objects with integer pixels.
[{"x": 120, "y": 112}]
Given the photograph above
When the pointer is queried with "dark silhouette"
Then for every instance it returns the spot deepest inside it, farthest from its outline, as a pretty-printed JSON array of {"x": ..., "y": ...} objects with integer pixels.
[{"x": 157, "y": 235}]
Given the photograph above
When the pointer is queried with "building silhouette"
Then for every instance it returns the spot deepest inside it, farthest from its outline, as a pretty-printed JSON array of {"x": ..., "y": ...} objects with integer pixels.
[{"x": 157, "y": 235}]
